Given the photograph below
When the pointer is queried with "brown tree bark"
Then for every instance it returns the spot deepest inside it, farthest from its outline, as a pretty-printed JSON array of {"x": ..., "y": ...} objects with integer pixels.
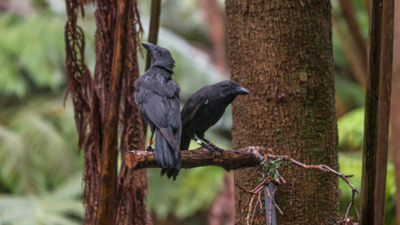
[
  {"x": 377, "y": 112},
  {"x": 395, "y": 105},
  {"x": 281, "y": 51},
  {"x": 132, "y": 185},
  {"x": 106, "y": 211}
]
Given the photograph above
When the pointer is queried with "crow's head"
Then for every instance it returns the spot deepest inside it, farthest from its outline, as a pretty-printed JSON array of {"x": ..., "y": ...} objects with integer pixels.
[
  {"x": 160, "y": 56},
  {"x": 229, "y": 89}
]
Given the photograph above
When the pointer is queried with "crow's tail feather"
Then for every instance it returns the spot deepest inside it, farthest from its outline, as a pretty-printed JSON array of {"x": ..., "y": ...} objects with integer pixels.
[
  {"x": 165, "y": 156},
  {"x": 173, "y": 172}
]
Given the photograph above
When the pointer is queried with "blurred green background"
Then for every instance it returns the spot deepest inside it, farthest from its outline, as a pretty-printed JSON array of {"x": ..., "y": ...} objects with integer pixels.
[{"x": 40, "y": 164}]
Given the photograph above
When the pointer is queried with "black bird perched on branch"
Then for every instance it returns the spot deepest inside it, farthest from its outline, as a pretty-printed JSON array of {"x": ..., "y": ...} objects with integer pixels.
[
  {"x": 203, "y": 110},
  {"x": 157, "y": 96}
]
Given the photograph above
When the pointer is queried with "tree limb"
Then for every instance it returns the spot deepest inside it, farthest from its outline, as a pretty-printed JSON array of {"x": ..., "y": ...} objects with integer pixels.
[{"x": 232, "y": 160}]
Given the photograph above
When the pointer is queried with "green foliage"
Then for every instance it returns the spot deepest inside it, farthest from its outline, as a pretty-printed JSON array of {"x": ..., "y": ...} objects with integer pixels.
[
  {"x": 193, "y": 190},
  {"x": 37, "y": 146},
  {"x": 351, "y": 94},
  {"x": 32, "y": 53},
  {"x": 38, "y": 138},
  {"x": 351, "y": 163},
  {"x": 61, "y": 206},
  {"x": 351, "y": 130},
  {"x": 35, "y": 58},
  {"x": 270, "y": 168}
]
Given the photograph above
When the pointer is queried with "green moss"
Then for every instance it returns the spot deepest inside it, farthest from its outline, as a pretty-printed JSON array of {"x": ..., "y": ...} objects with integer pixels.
[
  {"x": 303, "y": 73},
  {"x": 277, "y": 131}
]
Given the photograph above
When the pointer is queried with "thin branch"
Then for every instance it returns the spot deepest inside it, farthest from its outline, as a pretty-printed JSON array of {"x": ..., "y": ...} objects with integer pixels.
[
  {"x": 324, "y": 168},
  {"x": 291, "y": 190},
  {"x": 256, "y": 191},
  {"x": 255, "y": 208}
]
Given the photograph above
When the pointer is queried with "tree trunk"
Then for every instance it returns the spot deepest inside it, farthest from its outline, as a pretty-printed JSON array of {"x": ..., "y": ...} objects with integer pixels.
[
  {"x": 281, "y": 51},
  {"x": 395, "y": 107}
]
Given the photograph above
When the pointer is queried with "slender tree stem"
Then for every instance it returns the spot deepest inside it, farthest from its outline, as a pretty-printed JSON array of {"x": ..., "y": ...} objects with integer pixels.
[
  {"x": 106, "y": 212},
  {"x": 377, "y": 109}
]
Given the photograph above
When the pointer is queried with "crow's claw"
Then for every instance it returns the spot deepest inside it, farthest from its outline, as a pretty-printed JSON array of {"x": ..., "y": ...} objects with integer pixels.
[
  {"x": 220, "y": 150},
  {"x": 208, "y": 147},
  {"x": 149, "y": 149},
  {"x": 214, "y": 148}
]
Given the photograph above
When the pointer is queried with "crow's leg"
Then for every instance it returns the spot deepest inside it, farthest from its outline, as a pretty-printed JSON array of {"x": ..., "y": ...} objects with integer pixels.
[
  {"x": 149, "y": 148},
  {"x": 209, "y": 147},
  {"x": 203, "y": 144},
  {"x": 212, "y": 145}
]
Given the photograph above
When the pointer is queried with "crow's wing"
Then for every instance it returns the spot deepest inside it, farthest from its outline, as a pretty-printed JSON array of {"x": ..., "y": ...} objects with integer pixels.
[
  {"x": 194, "y": 105},
  {"x": 161, "y": 110}
]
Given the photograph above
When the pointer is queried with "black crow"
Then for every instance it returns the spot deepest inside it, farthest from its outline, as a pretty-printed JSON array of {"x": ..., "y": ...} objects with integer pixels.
[
  {"x": 157, "y": 96},
  {"x": 204, "y": 108}
]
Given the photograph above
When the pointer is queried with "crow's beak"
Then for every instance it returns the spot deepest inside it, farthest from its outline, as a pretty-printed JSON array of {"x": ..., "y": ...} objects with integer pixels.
[
  {"x": 149, "y": 46},
  {"x": 242, "y": 91}
]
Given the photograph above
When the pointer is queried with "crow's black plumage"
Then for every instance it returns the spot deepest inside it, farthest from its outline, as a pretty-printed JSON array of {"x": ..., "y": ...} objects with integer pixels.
[
  {"x": 204, "y": 108},
  {"x": 157, "y": 96}
]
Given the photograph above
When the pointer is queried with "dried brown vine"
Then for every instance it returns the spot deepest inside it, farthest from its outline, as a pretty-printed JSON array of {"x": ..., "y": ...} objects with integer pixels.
[
  {"x": 90, "y": 96},
  {"x": 78, "y": 73}
]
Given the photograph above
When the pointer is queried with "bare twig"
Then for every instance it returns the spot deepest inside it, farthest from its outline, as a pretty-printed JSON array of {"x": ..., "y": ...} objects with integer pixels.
[
  {"x": 251, "y": 203},
  {"x": 256, "y": 191},
  {"x": 255, "y": 208},
  {"x": 324, "y": 168},
  {"x": 241, "y": 213},
  {"x": 291, "y": 190},
  {"x": 348, "y": 209}
]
